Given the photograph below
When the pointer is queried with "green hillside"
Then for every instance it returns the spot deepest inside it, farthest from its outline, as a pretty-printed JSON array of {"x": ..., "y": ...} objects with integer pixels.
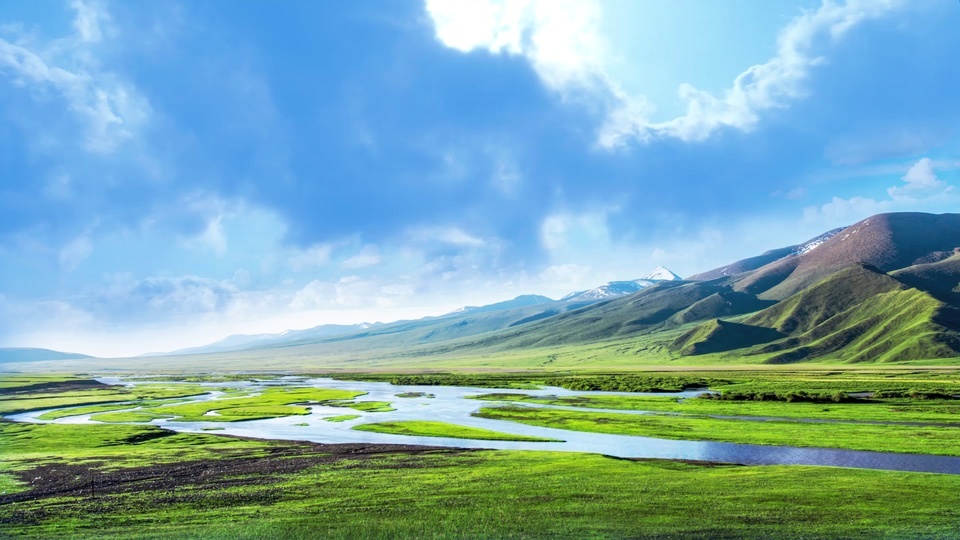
[{"x": 719, "y": 336}]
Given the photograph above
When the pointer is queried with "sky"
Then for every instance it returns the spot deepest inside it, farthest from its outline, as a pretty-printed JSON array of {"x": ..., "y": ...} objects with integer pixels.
[{"x": 173, "y": 172}]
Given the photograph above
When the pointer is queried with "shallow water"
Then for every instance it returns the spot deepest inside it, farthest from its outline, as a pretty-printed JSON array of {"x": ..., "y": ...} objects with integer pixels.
[{"x": 451, "y": 404}]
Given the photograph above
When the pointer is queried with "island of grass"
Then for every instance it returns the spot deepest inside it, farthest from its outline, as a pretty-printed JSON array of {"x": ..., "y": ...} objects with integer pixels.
[
  {"x": 415, "y": 395},
  {"x": 365, "y": 406},
  {"x": 442, "y": 429},
  {"x": 342, "y": 418}
]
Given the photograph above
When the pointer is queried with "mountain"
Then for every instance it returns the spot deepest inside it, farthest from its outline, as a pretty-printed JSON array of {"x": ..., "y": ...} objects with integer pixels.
[
  {"x": 886, "y": 289},
  {"x": 882, "y": 290},
  {"x": 859, "y": 314},
  {"x": 616, "y": 289},
  {"x": 613, "y": 289},
  {"x": 464, "y": 322},
  {"x": 660, "y": 274},
  {"x": 23, "y": 354},
  {"x": 241, "y": 342},
  {"x": 887, "y": 241},
  {"x": 520, "y": 301},
  {"x": 753, "y": 263}
]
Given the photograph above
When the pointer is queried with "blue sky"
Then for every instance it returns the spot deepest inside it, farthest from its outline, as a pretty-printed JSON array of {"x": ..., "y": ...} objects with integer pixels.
[{"x": 174, "y": 172}]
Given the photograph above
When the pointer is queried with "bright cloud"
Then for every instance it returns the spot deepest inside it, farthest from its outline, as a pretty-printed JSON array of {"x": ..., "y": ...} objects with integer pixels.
[
  {"x": 922, "y": 190},
  {"x": 921, "y": 179},
  {"x": 563, "y": 43}
]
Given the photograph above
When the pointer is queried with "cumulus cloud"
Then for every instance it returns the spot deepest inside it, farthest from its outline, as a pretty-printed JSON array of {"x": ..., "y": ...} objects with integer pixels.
[
  {"x": 562, "y": 41},
  {"x": 921, "y": 179},
  {"x": 109, "y": 109},
  {"x": 922, "y": 188}
]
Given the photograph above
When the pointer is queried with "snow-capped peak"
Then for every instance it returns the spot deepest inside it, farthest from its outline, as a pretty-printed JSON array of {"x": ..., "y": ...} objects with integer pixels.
[
  {"x": 661, "y": 274},
  {"x": 816, "y": 242}
]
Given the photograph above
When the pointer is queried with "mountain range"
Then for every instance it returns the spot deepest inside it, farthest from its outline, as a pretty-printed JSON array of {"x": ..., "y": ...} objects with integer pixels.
[{"x": 885, "y": 289}]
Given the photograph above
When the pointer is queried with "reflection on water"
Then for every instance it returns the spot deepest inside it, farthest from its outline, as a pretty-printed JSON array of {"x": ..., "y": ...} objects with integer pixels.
[{"x": 451, "y": 404}]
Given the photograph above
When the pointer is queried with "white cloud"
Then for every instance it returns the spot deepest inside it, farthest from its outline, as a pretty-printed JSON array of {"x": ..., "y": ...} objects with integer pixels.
[
  {"x": 562, "y": 41},
  {"x": 87, "y": 21},
  {"x": 921, "y": 179},
  {"x": 368, "y": 255},
  {"x": 922, "y": 190},
  {"x": 110, "y": 109}
]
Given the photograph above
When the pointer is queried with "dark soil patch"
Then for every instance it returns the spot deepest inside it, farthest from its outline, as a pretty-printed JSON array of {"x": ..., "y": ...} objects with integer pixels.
[
  {"x": 181, "y": 482},
  {"x": 53, "y": 387}
]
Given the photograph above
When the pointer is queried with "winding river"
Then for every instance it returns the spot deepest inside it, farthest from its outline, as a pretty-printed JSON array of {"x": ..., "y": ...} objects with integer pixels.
[{"x": 452, "y": 404}]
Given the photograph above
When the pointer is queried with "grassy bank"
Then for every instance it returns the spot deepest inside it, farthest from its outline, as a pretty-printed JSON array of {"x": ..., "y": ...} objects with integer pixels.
[
  {"x": 879, "y": 438},
  {"x": 443, "y": 429},
  {"x": 887, "y": 410}
]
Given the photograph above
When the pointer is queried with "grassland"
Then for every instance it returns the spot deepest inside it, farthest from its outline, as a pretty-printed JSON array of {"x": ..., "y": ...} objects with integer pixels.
[
  {"x": 130, "y": 481},
  {"x": 163, "y": 485},
  {"x": 444, "y": 429}
]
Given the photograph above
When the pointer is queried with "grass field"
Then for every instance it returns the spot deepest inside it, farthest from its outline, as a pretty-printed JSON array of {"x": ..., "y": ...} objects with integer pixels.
[
  {"x": 129, "y": 481},
  {"x": 142, "y": 482}
]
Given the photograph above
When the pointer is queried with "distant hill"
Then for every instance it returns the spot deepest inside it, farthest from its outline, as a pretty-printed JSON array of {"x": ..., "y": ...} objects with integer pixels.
[
  {"x": 765, "y": 258},
  {"x": 887, "y": 241},
  {"x": 25, "y": 354},
  {"x": 241, "y": 342},
  {"x": 616, "y": 289},
  {"x": 462, "y": 323},
  {"x": 886, "y": 289}
]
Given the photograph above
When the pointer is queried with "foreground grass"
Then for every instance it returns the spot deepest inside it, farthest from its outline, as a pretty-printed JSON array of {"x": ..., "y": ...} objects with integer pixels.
[
  {"x": 443, "y": 429},
  {"x": 109, "y": 447},
  {"x": 879, "y": 438},
  {"x": 247, "y": 492}
]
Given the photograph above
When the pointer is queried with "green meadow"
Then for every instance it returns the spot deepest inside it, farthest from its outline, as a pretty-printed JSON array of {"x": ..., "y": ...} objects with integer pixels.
[{"x": 116, "y": 480}]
